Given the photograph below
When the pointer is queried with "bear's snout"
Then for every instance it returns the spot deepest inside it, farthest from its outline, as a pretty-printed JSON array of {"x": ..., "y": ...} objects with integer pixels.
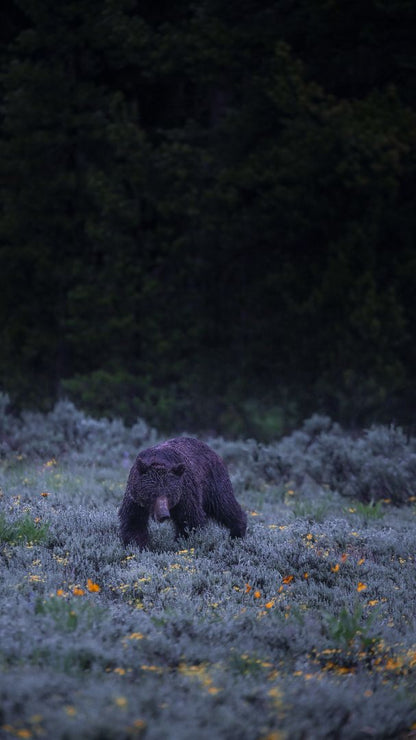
[{"x": 161, "y": 510}]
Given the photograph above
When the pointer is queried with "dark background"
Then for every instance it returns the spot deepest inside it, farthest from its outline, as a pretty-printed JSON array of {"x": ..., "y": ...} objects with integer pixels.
[{"x": 208, "y": 210}]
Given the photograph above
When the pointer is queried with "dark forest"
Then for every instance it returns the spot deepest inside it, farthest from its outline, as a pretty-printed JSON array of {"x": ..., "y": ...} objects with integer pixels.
[{"x": 208, "y": 210}]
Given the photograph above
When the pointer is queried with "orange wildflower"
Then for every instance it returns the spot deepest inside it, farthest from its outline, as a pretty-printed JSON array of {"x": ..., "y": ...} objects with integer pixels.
[
  {"x": 93, "y": 587},
  {"x": 361, "y": 586},
  {"x": 77, "y": 591},
  {"x": 288, "y": 579},
  {"x": 139, "y": 724},
  {"x": 248, "y": 588},
  {"x": 393, "y": 663},
  {"x": 257, "y": 594}
]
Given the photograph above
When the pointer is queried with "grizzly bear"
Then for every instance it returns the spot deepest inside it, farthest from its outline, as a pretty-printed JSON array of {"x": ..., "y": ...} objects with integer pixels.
[{"x": 183, "y": 480}]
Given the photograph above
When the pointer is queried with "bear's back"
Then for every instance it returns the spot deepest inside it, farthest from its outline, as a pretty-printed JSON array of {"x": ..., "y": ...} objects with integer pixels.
[{"x": 200, "y": 460}]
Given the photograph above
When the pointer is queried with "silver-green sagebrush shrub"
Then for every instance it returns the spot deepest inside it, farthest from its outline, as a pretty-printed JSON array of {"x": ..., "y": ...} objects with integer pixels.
[
  {"x": 66, "y": 430},
  {"x": 378, "y": 464}
]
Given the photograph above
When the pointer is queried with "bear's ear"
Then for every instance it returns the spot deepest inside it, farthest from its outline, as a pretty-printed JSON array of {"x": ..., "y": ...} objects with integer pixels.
[
  {"x": 179, "y": 470},
  {"x": 141, "y": 466}
]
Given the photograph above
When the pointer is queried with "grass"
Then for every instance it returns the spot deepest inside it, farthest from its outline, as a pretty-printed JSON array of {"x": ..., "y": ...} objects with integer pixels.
[
  {"x": 23, "y": 529},
  {"x": 305, "y": 629}
]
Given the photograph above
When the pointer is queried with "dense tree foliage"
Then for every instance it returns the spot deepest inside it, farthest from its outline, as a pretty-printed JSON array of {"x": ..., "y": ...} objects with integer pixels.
[{"x": 208, "y": 209}]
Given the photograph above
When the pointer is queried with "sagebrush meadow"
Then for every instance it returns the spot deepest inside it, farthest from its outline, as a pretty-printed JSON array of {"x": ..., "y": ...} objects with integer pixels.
[{"x": 304, "y": 629}]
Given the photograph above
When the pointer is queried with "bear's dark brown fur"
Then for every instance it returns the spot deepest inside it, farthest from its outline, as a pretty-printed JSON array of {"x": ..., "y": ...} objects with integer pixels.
[{"x": 182, "y": 480}]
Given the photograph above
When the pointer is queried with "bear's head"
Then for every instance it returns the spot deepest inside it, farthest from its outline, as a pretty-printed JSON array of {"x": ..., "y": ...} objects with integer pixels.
[{"x": 158, "y": 487}]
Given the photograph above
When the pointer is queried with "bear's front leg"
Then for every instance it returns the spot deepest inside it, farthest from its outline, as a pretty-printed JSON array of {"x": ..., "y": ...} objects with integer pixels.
[
  {"x": 224, "y": 507},
  {"x": 133, "y": 523},
  {"x": 186, "y": 516}
]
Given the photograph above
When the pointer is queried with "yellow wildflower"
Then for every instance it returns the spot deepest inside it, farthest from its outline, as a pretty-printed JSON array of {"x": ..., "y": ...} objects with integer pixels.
[
  {"x": 36, "y": 718},
  {"x": 121, "y": 701},
  {"x": 50, "y": 463}
]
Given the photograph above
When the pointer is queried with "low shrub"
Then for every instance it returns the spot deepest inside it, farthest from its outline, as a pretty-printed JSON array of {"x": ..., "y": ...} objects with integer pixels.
[
  {"x": 376, "y": 465},
  {"x": 305, "y": 628}
]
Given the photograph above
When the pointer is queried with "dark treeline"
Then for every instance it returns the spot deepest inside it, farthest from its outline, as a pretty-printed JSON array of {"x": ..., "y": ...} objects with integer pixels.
[{"x": 208, "y": 209}]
